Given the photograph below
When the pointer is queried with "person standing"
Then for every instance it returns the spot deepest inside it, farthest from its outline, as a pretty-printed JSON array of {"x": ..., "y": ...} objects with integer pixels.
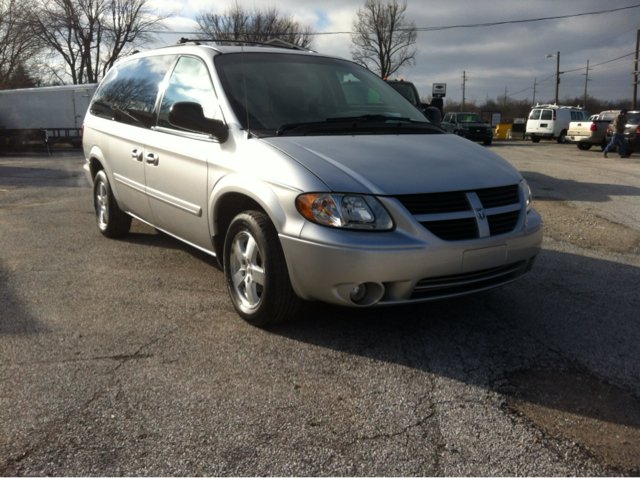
[{"x": 619, "y": 124}]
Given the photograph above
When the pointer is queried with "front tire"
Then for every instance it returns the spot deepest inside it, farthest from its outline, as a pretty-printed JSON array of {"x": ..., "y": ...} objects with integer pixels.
[
  {"x": 487, "y": 142},
  {"x": 112, "y": 221},
  {"x": 256, "y": 272}
]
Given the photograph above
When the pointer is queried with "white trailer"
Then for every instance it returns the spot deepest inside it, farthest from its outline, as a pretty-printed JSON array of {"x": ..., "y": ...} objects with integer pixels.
[{"x": 43, "y": 116}]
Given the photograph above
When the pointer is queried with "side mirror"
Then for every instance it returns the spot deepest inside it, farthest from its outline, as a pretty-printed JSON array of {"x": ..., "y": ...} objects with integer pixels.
[
  {"x": 433, "y": 114},
  {"x": 190, "y": 116}
]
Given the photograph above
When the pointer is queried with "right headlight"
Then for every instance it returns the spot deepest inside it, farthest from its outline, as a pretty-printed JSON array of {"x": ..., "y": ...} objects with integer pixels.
[
  {"x": 527, "y": 194},
  {"x": 347, "y": 211}
]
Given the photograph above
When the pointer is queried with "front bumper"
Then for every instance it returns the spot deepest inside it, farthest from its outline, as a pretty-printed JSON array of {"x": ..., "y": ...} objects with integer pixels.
[
  {"x": 405, "y": 266},
  {"x": 476, "y": 135}
]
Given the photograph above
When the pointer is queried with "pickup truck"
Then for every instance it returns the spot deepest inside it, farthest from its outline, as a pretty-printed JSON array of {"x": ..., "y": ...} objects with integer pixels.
[{"x": 591, "y": 132}]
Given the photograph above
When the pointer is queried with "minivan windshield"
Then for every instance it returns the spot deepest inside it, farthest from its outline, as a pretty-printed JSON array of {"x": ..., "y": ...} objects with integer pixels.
[{"x": 272, "y": 91}]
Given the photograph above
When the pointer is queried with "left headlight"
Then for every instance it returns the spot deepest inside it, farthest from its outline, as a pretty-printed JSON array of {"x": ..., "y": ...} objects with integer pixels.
[
  {"x": 528, "y": 198},
  {"x": 344, "y": 211}
]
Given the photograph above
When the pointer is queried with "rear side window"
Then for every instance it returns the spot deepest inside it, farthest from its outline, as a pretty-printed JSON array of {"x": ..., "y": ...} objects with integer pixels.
[
  {"x": 129, "y": 92},
  {"x": 546, "y": 115},
  {"x": 535, "y": 115}
]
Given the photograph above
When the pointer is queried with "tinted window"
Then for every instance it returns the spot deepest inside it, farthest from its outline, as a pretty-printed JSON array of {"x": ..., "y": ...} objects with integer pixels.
[
  {"x": 535, "y": 115},
  {"x": 546, "y": 115},
  {"x": 189, "y": 81},
  {"x": 130, "y": 90}
]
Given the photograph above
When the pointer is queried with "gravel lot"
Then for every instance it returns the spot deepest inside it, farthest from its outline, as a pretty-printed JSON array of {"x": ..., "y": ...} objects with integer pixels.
[{"x": 127, "y": 358}]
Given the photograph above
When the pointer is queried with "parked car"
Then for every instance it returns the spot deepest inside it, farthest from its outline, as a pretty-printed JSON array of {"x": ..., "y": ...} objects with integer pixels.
[
  {"x": 552, "y": 121},
  {"x": 306, "y": 176},
  {"x": 631, "y": 133},
  {"x": 592, "y": 132},
  {"x": 468, "y": 125}
]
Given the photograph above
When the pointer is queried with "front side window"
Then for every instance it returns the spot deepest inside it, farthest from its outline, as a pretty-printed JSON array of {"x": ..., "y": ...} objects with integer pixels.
[
  {"x": 189, "y": 81},
  {"x": 129, "y": 92}
]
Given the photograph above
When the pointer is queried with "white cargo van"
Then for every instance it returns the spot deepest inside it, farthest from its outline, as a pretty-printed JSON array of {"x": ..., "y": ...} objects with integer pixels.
[{"x": 552, "y": 121}]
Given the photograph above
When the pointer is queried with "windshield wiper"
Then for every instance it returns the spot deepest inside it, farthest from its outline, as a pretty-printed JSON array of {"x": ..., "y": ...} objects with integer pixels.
[
  {"x": 368, "y": 119},
  {"x": 353, "y": 120}
]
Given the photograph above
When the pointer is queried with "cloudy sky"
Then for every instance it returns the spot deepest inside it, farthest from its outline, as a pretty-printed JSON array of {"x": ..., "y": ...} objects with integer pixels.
[{"x": 510, "y": 56}]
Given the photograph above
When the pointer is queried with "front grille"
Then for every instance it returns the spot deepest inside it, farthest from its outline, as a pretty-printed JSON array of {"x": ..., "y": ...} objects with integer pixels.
[
  {"x": 503, "y": 223},
  {"x": 496, "y": 197},
  {"x": 435, "y": 203},
  {"x": 466, "y": 226},
  {"x": 453, "y": 229}
]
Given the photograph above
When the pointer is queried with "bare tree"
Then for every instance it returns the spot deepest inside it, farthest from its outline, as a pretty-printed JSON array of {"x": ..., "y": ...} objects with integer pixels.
[
  {"x": 241, "y": 24},
  {"x": 90, "y": 35},
  {"x": 382, "y": 37},
  {"x": 17, "y": 45}
]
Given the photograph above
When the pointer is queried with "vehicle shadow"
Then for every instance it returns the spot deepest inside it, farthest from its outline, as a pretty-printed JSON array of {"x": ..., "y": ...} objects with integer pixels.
[
  {"x": 546, "y": 187},
  {"x": 15, "y": 319},
  {"x": 557, "y": 321}
]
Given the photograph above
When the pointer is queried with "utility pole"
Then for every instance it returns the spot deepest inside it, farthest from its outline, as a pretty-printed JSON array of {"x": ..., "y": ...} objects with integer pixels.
[
  {"x": 535, "y": 80},
  {"x": 464, "y": 81},
  {"x": 505, "y": 99},
  {"x": 584, "y": 102},
  {"x": 557, "y": 77},
  {"x": 635, "y": 71}
]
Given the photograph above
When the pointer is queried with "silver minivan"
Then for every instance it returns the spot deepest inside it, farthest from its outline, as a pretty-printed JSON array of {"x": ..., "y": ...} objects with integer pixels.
[{"x": 306, "y": 176}]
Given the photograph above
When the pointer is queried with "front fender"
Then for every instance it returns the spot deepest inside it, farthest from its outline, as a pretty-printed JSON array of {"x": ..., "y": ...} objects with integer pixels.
[{"x": 277, "y": 200}]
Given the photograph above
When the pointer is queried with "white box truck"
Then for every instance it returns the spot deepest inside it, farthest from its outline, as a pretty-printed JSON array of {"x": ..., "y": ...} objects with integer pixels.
[{"x": 43, "y": 116}]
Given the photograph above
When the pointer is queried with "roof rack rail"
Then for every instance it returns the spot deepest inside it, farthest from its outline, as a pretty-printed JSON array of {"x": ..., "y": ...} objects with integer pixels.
[{"x": 274, "y": 43}]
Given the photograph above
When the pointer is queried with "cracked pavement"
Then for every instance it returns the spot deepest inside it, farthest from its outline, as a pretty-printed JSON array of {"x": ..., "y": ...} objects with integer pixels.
[{"x": 126, "y": 357}]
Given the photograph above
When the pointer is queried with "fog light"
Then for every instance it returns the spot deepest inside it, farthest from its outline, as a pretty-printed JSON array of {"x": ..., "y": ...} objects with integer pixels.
[{"x": 358, "y": 293}]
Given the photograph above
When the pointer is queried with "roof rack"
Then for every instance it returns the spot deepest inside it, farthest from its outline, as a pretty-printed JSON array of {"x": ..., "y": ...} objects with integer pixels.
[
  {"x": 274, "y": 43},
  {"x": 560, "y": 107}
]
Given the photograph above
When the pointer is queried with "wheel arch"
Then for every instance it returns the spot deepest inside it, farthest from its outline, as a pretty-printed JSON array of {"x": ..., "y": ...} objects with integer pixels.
[{"x": 235, "y": 194}]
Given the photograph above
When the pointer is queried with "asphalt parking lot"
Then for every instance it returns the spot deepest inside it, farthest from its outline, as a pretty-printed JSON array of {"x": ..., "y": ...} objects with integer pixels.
[{"x": 126, "y": 357}]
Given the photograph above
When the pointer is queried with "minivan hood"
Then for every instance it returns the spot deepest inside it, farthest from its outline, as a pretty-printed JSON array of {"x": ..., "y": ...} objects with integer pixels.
[{"x": 398, "y": 164}]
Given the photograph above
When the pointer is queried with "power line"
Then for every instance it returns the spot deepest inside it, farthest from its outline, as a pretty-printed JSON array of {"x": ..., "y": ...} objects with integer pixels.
[
  {"x": 449, "y": 27},
  {"x": 508, "y": 22},
  {"x": 571, "y": 71}
]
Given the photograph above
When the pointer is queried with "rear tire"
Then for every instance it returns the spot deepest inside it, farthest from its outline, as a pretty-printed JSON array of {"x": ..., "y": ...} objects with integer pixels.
[
  {"x": 584, "y": 146},
  {"x": 112, "y": 221},
  {"x": 563, "y": 137},
  {"x": 256, "y": 271},
  {"x": 535, "y": 139}
]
